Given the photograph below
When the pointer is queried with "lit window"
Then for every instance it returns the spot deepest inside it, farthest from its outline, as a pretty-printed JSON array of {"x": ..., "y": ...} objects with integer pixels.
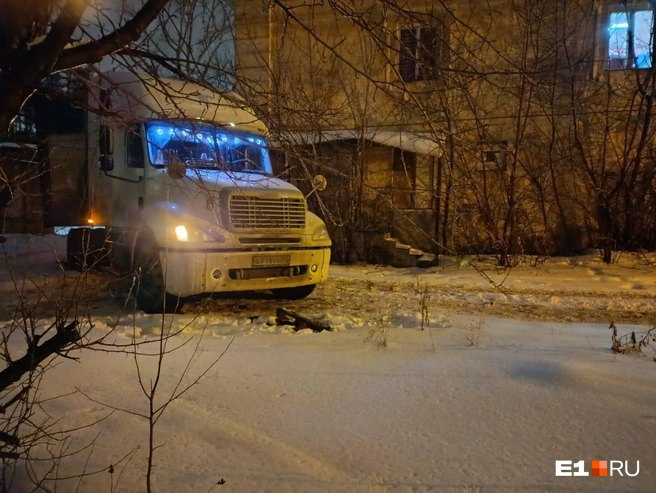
[
  {"x": 630, "y": 39},
  {"x": 206, "y": 146}
]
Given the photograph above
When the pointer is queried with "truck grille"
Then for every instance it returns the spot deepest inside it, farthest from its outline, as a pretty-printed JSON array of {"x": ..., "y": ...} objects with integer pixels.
[{"x": 250, "y": 212}]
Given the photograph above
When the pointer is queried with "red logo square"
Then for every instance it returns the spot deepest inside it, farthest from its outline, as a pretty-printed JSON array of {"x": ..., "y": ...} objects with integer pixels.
[{"x": 600, "y": 468}]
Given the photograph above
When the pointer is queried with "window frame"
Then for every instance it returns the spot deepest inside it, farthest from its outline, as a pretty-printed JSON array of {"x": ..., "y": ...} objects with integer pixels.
[
  {"x": 631, "y": 61},
  {"x": 416, "y": 60},
  {"x": 493, "y": 156},
  {"x": 134, "y": 132}
]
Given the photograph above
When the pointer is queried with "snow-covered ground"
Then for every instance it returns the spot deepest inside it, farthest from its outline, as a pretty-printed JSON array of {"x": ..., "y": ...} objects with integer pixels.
[{"x": 339, "y": 411}]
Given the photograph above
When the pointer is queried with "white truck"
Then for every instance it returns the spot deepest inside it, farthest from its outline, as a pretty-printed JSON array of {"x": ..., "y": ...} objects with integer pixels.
[{"x": 181, "y": 194}]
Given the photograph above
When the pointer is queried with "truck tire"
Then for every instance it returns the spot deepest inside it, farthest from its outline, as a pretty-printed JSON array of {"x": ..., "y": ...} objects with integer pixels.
[
  {"x": 86, "y": 248},
  {"x": 297, "y": 293},
  {"x": 150, "y": 287}
]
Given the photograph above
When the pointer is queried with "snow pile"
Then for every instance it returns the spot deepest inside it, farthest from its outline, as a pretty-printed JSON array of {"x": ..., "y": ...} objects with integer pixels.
[
  {"x": 475, "y": 388},
  {"x": 329, "y": 412}
]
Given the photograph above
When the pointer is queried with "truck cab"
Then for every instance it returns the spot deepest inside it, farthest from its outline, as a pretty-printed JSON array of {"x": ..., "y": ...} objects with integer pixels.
[{"x": 180, "y": 183}]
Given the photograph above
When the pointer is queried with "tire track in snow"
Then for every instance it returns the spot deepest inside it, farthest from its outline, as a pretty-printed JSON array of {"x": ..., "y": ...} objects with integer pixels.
[{"x": 298, "y": 462}]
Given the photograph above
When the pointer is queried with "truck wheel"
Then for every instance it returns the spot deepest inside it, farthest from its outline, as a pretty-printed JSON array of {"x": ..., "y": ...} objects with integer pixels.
[
  {"x": 297, "y": 293},
  {"x": 150, "y": 287},
  {"x": 86, "y": 248}
]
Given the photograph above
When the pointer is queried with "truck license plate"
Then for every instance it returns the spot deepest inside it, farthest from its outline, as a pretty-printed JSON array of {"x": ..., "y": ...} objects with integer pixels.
[{"x": 271, "y": 260}]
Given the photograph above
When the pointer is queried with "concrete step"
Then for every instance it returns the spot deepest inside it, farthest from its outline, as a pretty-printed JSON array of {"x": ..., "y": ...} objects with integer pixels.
[
  {"x": 401, "y": 255},
  {"x": 427, "y": 260}
]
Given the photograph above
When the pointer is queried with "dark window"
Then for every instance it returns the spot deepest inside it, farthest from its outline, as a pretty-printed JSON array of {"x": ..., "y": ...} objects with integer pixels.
[
  {"x": 23, "y": 125},
  {"x": 106, "y": 99},
  {"x": 134, "y": 148},
  {"x": 490, "y": 156},
  {"x": 404, "y": 161},
  {"x": 408, "y": 60},
  {"x": 420, "y": 53},
  {"x": 630, "y": 39},
  {"x": 493, "y": 156},
  {"x": 278, "y": 161}
]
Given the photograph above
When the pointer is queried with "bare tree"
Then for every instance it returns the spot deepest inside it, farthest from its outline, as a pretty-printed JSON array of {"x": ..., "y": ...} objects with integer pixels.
[
  {"x": 53, "y": 319},
  {"x": 37, "y": 40}
]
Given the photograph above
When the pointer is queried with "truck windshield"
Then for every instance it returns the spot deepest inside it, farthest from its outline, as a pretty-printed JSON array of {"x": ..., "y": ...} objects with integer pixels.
[{"x": 206, "y": 146}]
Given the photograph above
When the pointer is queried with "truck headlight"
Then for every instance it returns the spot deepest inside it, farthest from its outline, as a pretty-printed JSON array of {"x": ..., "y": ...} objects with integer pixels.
[
  {"x": 320, "y": 233},
  {"x": 184, "y": 233},
  {"x": 181, "y": 233}
]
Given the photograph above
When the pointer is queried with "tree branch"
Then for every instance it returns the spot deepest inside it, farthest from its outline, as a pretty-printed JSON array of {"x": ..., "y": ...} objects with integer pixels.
[
  {"x": 16, "y": 398},
  {"x": 44, "y": 54},
  {"x": 16, "y": 369},
  {"x": 10, "y": 439},
  {"x": 161, "y": 60},
  {"x": 94, "y": 51}
]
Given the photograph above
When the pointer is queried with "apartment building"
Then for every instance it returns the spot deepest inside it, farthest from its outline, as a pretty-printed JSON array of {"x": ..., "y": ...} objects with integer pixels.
[{"x": 473, "y": 126}]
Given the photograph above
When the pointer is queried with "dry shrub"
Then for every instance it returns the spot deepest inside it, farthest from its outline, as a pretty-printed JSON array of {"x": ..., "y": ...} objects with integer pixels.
[
  {"x": 632, "y": 343},
  {"x": 473, "y": 332}
]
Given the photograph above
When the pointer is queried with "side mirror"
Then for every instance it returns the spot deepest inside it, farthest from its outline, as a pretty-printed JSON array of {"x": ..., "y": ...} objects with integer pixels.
[
  {"x": 319, "y": 183},
  {"x": 106, "y": 145},
  {"x": 176, "y": 169},
  {"x": 105, "y": 140},
  {"x": 106, "y": 163}
]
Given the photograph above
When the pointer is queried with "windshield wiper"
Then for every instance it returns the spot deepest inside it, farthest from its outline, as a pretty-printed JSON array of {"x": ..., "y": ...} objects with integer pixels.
[
  {"x": 253, "y": 171},
  {"x": 204, "y": 164}
]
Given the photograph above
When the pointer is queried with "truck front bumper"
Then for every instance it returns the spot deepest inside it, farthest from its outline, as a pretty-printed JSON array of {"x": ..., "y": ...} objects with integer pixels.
[{"x": 199, "y": 272}]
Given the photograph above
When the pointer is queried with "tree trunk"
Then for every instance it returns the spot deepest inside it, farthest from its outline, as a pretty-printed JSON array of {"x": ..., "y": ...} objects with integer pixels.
[
  {"x": 605, "y": 231},
  {"x": 438, "y": 208}
]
